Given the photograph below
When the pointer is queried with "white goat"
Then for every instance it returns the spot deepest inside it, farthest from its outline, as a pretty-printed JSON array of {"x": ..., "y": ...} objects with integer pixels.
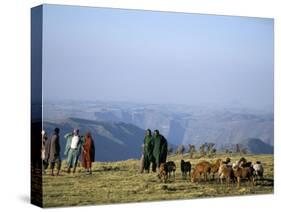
[{"x": 258, "y": 170}]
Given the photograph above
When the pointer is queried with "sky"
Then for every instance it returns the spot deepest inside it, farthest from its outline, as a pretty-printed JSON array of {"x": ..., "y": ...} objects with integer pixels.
[{"x": 157, "y": 57}]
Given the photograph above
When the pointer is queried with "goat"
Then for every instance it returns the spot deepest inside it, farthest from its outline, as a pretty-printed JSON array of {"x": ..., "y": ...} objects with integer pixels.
[
  {"x": 243, "y": 173},
  {"x": 244, "y": 163},
  {"x": 203, "y": 167},
  {"x": 185, "y": 167},
  {"x": 165, "y": 170},
  {"x": 258, "y": 170},
  {"x": 227, "y": 161},
  {"x": 225, "y": 172},
  {"x": 215, "y": 167}
]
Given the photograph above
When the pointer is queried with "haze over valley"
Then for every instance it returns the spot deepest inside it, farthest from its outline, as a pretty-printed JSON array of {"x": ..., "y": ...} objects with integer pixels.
[{"x": 180, "y": 124}]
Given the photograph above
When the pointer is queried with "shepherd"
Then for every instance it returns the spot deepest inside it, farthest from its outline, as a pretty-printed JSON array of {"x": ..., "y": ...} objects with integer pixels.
[
  {"x": 160, "y": 149},
  {"x": 88, "y": 155},
  {"x": 73, "y": 149},
  {"x": 52, "y": 152},
  {"x": 148, "y": 150}
]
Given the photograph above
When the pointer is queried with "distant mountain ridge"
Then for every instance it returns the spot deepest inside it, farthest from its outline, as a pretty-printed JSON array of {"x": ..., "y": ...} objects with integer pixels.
[
  {"x": 180, "y": 124},
  {"x": 122, "y": 141},
  {"x": 257, "y": 146},
  {"x": 113, "y": 141}
]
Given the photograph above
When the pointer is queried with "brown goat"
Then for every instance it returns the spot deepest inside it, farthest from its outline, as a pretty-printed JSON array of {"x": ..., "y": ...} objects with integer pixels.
[
  {"x": 215, "y": 167},
  {"x": 225, "y": 172},
  {"x": 203, "y": 167},
  {"x": 243, "y": 173},
  {"x": 165, "y": 170}
]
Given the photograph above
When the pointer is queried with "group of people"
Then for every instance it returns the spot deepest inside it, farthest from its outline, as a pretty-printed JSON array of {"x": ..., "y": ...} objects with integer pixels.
[
  {"x": 155, "y": 151},
  {"x": 75, "y": 145}
]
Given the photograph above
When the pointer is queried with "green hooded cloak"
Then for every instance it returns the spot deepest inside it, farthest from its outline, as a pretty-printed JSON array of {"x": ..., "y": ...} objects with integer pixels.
[{"x": 160, "y": 149}]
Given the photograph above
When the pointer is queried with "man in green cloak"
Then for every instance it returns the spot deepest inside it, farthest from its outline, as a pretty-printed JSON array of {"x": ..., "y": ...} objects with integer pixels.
[
  {"x": 73, "y": 149},
  {"x": 160, "y": 149},
  {"x": 148, "y": 150}
]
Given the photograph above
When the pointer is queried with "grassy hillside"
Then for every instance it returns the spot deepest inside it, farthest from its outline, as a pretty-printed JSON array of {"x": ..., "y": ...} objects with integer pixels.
[{"x": 121, "y": 182}]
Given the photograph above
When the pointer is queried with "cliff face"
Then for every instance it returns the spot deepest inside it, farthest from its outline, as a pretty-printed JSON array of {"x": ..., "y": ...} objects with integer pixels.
[{"x": 179, "y": 124}]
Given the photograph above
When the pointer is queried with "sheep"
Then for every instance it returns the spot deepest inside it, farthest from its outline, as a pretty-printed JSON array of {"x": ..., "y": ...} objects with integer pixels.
[
  {"x": 203, "y": 167},
  {"x": 242, "y": 173},
  {"x": 185, "y": 167},
  {"x": 215, "y": 167},
  {"x": 258, "y": 170},
  {"x": 165, "y": 170}
]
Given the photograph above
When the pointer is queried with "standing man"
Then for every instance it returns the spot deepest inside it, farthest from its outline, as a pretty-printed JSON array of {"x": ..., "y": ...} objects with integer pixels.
[
  {"x": 160, "y": 149},
  {"x": 148, "y": 150},
  {"x": 53, "y": 151},
  {"x": 73, "y": 149}
]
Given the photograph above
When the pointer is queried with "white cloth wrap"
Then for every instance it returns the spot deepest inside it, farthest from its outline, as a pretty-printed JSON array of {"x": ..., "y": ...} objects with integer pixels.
[{"x": 74, "y": 142}]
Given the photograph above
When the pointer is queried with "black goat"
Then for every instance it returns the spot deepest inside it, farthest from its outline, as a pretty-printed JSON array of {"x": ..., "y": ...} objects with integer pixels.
[{"x": 185, "y": 167}]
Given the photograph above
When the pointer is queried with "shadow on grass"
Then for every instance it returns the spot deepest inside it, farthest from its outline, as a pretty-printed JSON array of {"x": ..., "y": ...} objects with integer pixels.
[
  {"x": 109, "y": 168},
  {"x": 265, "y": 182}
]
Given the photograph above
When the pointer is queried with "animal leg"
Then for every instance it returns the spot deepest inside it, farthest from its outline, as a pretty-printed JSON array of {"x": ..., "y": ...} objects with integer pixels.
[
  {"x": 253, "y": 181},
  {"x": 228, "y": 181},
  {"x": 165, "y": 178},
  {"x": 221, "y": 179},
  {"x": 205, "y": 177},
  {"x": 238, "y": 182}
]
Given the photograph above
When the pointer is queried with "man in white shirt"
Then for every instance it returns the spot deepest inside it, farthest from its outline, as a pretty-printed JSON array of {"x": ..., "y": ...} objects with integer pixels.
[{"x": 73, "y": 149}]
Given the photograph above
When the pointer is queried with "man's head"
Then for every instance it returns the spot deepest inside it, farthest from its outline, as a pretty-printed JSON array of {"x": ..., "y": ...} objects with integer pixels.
[
  {"x": 156, "y": 132},
  {"x": 88, "y": 134},
  {"x": 57, "y": 130},
  {"x": 76, "y": 131},
  {"x": 148, "y": 132}
]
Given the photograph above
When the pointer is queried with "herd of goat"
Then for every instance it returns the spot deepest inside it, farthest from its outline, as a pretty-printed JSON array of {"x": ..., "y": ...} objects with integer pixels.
[{"x": 225, "y": 170}]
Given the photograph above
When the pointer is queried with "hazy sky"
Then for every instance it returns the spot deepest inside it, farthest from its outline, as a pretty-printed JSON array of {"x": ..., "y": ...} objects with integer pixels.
[{"x": 143, "y": 56}]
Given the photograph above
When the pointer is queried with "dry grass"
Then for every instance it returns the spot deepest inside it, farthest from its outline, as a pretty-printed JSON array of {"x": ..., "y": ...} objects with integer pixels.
[{"x": 121, "y": 182}]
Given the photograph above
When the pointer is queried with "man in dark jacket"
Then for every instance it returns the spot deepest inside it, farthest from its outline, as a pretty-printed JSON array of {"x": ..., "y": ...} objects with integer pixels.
[
  {"x": 53, "y": 151},
  {"x": 160, "y": 149}
]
